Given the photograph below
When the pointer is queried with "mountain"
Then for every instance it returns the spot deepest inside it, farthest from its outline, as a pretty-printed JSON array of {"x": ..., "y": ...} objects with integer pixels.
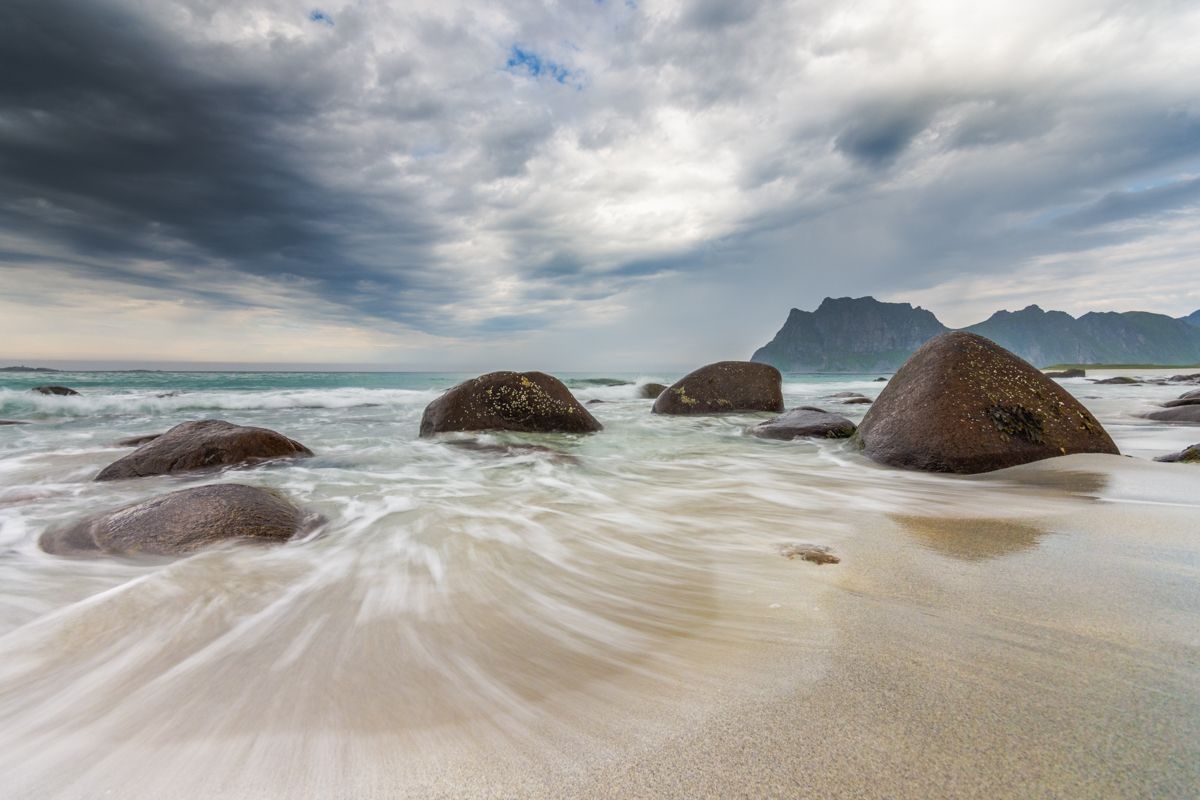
[
  {"x": 27, "y": 369},
  {"x": 849, "y": 335},
  {"x": 864, "y": 335}
]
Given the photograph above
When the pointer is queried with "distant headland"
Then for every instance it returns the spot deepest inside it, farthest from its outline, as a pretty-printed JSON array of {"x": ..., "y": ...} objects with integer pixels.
[
  {"x": 865, "y": 335},
  {"x": 27, "y": 369}
]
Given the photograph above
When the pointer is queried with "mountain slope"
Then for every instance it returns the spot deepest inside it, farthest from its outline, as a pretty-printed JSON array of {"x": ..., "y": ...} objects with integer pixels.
[
  {"x": 1192, "y": 318},
  {"x": 849, "y": 335},
  {"x": 865, "y": 335}
]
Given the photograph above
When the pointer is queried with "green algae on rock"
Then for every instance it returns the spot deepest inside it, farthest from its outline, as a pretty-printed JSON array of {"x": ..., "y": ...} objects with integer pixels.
[
  {"x": 724, "y": 387},
  {"x": 531, "y": 402},
  {"x": 964, "y": 404}
]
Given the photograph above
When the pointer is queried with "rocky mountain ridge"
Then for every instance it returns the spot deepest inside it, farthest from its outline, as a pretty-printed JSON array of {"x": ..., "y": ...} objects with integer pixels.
[{"x": 865, "y": 335}]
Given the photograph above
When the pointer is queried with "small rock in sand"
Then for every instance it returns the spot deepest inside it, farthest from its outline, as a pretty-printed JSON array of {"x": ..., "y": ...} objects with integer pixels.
[{"x": 816, "y": 553}]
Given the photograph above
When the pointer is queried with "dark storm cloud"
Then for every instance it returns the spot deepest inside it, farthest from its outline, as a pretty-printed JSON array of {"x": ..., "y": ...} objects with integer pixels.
[{"x": 112, "y": 146}]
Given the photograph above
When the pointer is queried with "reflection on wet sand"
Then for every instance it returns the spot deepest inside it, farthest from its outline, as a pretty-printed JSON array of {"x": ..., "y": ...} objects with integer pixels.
[{"x": 971, "y": 539}]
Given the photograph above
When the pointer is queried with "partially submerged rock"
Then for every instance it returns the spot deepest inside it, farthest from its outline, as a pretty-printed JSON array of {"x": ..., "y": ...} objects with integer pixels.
[
  {"x": 651, "y": 390},
  {"x": 1182, "y": 401},
  {"x": 206, "y": 444},
  {"x": 1189, "y": 414},
  {"x": 1067, "y": 373},
  {"x": 1189, "y": 455},
  {"x": 137, "y": 441},
  {"x": 61, "y": 391},
  {"x": 1194, "y": 394},
  {"x": 857, "y": 401},
  {"x": 182, "y": 522},
  {"x": 816, "y": 553},
  {"x": 964, "y": 404},
  {"x": 804, "y": 422},
  {"x": 723, "y": 387},
  {"x": 533, "y": 402},
  {"x": 1120, "y": 380},
  {"x": 1191, "y": 378},
  {"x": 881, "y": 380},
  {"x": 12, "y": 422}
]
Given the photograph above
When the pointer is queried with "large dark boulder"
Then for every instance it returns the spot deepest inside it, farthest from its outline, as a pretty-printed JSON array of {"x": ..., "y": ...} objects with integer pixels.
[
  {"x": 181, "y": 522},
  {"x": 1189, "y": 455},
  {"x": 1120, "y": 380},
  {"x": 1182, "y": 401},
  {"x": 724, "y": 387},
  {"x": 804, "y": 422},
  {"x": 1185, "y": 414},
  {"x": 964, "y": 404},
  {"x": 206, "y": 444},
  {"x": 61, "y": 391},
  {"x": 650, "y": 391},
  {"x": 533, "y": 402}
]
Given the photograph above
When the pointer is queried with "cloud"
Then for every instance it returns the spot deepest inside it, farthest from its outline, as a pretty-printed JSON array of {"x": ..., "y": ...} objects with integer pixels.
[{"x": 658, "y": 182}]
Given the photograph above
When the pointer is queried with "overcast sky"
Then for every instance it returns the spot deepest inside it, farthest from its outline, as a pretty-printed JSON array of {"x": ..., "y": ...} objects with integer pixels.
[{"x": 582, "y": 185}]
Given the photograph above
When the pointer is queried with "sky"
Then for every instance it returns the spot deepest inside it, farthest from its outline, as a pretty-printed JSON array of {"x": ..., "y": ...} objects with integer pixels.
[{"x": 611, "y": 185}]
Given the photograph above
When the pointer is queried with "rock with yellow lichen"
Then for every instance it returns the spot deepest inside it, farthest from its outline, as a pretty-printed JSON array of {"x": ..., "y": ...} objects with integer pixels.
[
  {"x": 724, "y": 387},
  {"x": 532, "y": 402},
  {"x": 964, "y": 404}
]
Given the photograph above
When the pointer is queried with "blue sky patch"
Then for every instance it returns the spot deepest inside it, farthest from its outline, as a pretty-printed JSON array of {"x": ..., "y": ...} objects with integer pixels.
[
  {"x": 520, "y": 59},
  {"x": 319, "y": 16}
]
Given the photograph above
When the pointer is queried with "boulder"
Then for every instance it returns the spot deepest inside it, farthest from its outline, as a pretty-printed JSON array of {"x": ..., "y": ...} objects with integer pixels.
[
  {"x": 1189, "y": 414},
  {"x": 857, "y": 401},
  {"x": 206, "y": 444},
  {"x": 1192, "y": 395},
  {"x": 837, "y": 395},
  {"x": 12, "y": 422},
  {"x": 62, "y": 391},
  {"x": 964, "y": 404},
  {"x": 1067, "y": 373},
  {"x": 725, "y": 386},
  {"x": 651, "y": 390},
  {"x": 1120, "y": 380},
  {"x": 881, "y": 380},
  {"x": 804, "y": 422},
  {"x": 1192, "y": 378},
  {"x": 1189, "y": 455},
  {"x": 181, "y": 522},
  {"x": 532, "y": 402},
  {"x": 1182, "y": 401}
]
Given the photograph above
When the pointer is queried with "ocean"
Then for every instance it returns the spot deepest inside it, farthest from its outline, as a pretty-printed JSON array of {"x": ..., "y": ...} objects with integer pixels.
[{"x": 520, "y": 615}]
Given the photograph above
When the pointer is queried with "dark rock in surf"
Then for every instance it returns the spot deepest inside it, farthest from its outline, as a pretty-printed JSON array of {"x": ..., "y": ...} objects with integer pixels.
[
  {"x": 1192, "y": 395},
  {"x": 1189, "y": 455},
  {"x": 723, "y": 387},
  {"x": 182, "y": 522},
  {"x": 137, "y": 441},
  {"x": 1192, "y": 378},
  {"x": 651, "y": 391},
  {"x": 206, "y": 444},
  {"x": 837, "y": 395},
  {"x": 12, "y": 422},
  {"x": 964, "y": 404},
  {"x": 857, "y": 401},
  {"x": 815, "y": 553},
  {"x": 1120, "y": 380},
  {"x": 881, "y": 380},
  {"x": 802, "y": 422},
  {"x": 532, "y": 402},
  {"x": 1182, "y": 401},
  {"x": 1188, "y": 415},
  {"x": 1067, "y": 373},
  {"x": 61, "y": 391}
]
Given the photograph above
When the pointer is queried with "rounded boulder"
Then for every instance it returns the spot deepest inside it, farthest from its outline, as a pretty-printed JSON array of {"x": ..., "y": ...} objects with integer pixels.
[
  {"x": 804, "y": 423},
  {"x": 181, "y": 522},
  {"x": 530, "y": 402},
  {"x": 964, "y": 404},
  {"x": 206, "y": 444},
  {"x": 724, "y": 387}
]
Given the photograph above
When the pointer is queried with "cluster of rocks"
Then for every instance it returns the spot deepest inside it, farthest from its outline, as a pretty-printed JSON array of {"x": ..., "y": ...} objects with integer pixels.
[
  {"x": 1185, "y": 408},
  {"x": 960, "y": 404}
]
